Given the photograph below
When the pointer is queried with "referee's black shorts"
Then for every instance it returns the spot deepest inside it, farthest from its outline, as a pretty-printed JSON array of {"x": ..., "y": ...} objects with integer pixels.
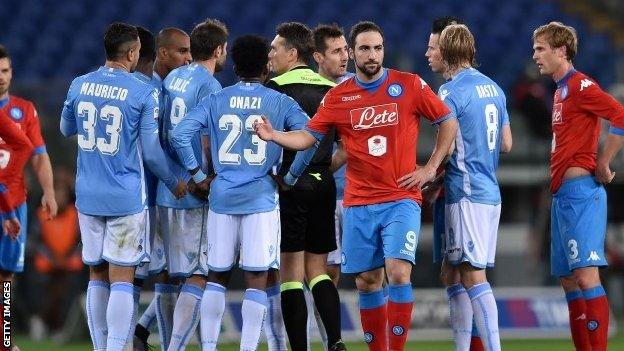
[{"x": 307, "y": 214}]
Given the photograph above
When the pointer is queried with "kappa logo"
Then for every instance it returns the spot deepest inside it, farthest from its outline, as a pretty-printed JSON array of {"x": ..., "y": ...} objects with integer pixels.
[
  {"x": 350, "y": 98},
  {"x": 374, "y": 116},
  {"x": 593, "y": 256},
  {"x": 423, "y": 84},
  {"x": 557, "y": 114},
  {"x": 586, "y": 83}
]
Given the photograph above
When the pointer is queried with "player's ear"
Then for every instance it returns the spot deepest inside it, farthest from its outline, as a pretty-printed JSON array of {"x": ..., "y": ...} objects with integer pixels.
[
  {"x": 351, "y": 54},
  {"x": 317, "y": 56}
]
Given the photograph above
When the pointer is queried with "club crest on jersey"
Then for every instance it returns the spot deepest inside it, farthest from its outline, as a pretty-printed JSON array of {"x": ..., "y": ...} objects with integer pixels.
[
  {"x": 16, "y": 113},
  {"x": 557, "y": 114},
  {"x": 395, "y": 90},
  {"x": 374, "y": 116}
]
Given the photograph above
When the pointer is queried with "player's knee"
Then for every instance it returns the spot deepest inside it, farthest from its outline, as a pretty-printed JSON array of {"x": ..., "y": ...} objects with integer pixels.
[
  {"x": 334, "y": 274},
  {"x": 568, "y": 283},
  {"x": 99, "y": 272},
  {"x": 587, "y": 278},
  {"x": 369, "y": 281},
  {"x": 399, "y": 272},
  {"x": 449, "y": 275}
]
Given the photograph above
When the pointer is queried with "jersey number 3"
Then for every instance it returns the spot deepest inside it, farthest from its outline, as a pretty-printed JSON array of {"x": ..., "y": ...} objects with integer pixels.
[
  {"x": 234, "y": 124},
  {"x": 108, "y": 113}
]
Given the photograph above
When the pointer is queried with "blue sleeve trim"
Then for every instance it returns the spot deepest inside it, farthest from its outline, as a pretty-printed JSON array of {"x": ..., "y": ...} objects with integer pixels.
[
  {"x": 315, "y": 134},
  {"x": 616, "y": 130},
  {"x": 450, "y": 115},
  {"x": 39, "y": 150}
]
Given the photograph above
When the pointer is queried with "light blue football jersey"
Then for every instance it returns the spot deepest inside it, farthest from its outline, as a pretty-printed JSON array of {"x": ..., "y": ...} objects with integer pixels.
[
  {"x": 151, "y": 181},
  {"x": 481, "y": 110},
  {"x": 110, "y": 110},
  {"x": 182, "y": 90},
  {"x": 242, "y": 161}
]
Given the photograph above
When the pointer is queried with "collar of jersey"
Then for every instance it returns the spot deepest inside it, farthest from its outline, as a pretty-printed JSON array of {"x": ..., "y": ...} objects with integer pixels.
[
  {"x": 156, "y": 76},
  {"x": 461, "y": 73},
  {"x": 4, "y": 102},
  {"x": 563, "y": 81},
  {"x": 248, "y": 85},
  {"x": 143, "y": 76},
  {"x": 374, "y": 84},
  {"x": 112, "y": 69}
]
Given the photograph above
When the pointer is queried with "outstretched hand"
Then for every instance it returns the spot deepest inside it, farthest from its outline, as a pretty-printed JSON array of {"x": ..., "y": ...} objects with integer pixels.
[
  {"x": 180, "y": 189},
  {"x": 264, "y": 129}
]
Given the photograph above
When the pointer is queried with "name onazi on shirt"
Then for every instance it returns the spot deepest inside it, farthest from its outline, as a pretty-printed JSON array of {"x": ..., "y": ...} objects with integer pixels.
[
  {"x": 104, "y": 91},
  {"x": 486, "y": 91},
  {"x": 245, "y": 102}
]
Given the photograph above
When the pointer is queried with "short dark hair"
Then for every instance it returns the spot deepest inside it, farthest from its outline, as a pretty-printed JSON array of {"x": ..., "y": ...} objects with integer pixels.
[
  {"x": 148, "y": 45},
  {"x": 440, "y": 23},
  {"x": 206, "y": 37},
  {"x": 4, "y": 53},
  {"x": 323, "y": 32},
  {"x": 298, "y": 36},
  {"x": 250, "y": 54},
  {"x": 361, "y": 27},
  {"x": 117, "y": 39}
]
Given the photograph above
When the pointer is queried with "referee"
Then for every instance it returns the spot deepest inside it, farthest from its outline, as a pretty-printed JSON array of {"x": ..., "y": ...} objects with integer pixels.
[{"x": 307, "y": 210}]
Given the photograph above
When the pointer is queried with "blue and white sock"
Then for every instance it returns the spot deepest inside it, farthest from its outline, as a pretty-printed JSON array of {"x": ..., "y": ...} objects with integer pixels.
[
  {"x": 212, "y": 308},
  {"x": 166, "y": 296},
  {"x": 97, "y": 300},
  {"x": 253, "y": 311},
  {"x": 274, "y": 322},
  {"x": 460, "y": 309},
  {"x": 186, "y": 316},
  {"x": 149, "y": 315},
  {"x": 485, "y": 315},
  {"x": 120, "y": 315}
]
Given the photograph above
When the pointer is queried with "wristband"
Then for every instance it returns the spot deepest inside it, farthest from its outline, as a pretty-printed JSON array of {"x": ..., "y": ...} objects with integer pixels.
[{"x": 199, "y": 177}]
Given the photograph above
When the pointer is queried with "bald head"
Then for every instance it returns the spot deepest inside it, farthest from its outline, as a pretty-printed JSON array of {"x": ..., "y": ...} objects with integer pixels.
[{"x": 173, "y": 47}]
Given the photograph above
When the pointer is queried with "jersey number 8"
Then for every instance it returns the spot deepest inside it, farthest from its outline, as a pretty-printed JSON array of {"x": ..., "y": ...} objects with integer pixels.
[{"x": 108, "y": 113}]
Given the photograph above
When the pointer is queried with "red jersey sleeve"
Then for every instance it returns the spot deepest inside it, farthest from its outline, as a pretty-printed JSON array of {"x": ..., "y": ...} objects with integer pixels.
[
  {"x": 428, "y": 104},
  {"x": 324, "y": 119},
  {"x": 596, "y": 102},
  {"x": 33, "y": 130}
]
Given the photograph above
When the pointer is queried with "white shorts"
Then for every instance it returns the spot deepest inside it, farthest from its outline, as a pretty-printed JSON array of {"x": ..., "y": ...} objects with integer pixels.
[
  {"x": 471, "y": 232},
  {"x": 255, "y": 236},
  {"x": 118, "y": 240},
  {"x": 334, "y": 258},
  {"x": 157, "y": 261},
  {"x": 184, "y": 235}
]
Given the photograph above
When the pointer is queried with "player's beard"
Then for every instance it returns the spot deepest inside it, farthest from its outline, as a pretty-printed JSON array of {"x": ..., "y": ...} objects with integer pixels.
[
  {"x": 369, "y": 72},
  {"x": 4, "y": 89}
]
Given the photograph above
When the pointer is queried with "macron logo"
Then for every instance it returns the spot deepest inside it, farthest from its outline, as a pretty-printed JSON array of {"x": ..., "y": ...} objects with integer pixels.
[
  {"x": 593, "y": 256},
  {"x": 586, "y": 83}
]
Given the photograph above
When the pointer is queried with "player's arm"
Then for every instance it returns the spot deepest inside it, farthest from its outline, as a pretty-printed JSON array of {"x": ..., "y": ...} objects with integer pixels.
[
  {"x": 153, "y": 154},
  {"x": 595, "y": 101},
  {"x": 339, "y": 158},
  {"x": 506, "y": 139},
  {"x": 182, "y": 136},
  {"x": 294, "y": 140},
  {"x": 296, "y": 119},
  {"x": 431, "y": 107},
  {"x": 68, "y": 118},
  {"x": 40, "y": 162}
]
